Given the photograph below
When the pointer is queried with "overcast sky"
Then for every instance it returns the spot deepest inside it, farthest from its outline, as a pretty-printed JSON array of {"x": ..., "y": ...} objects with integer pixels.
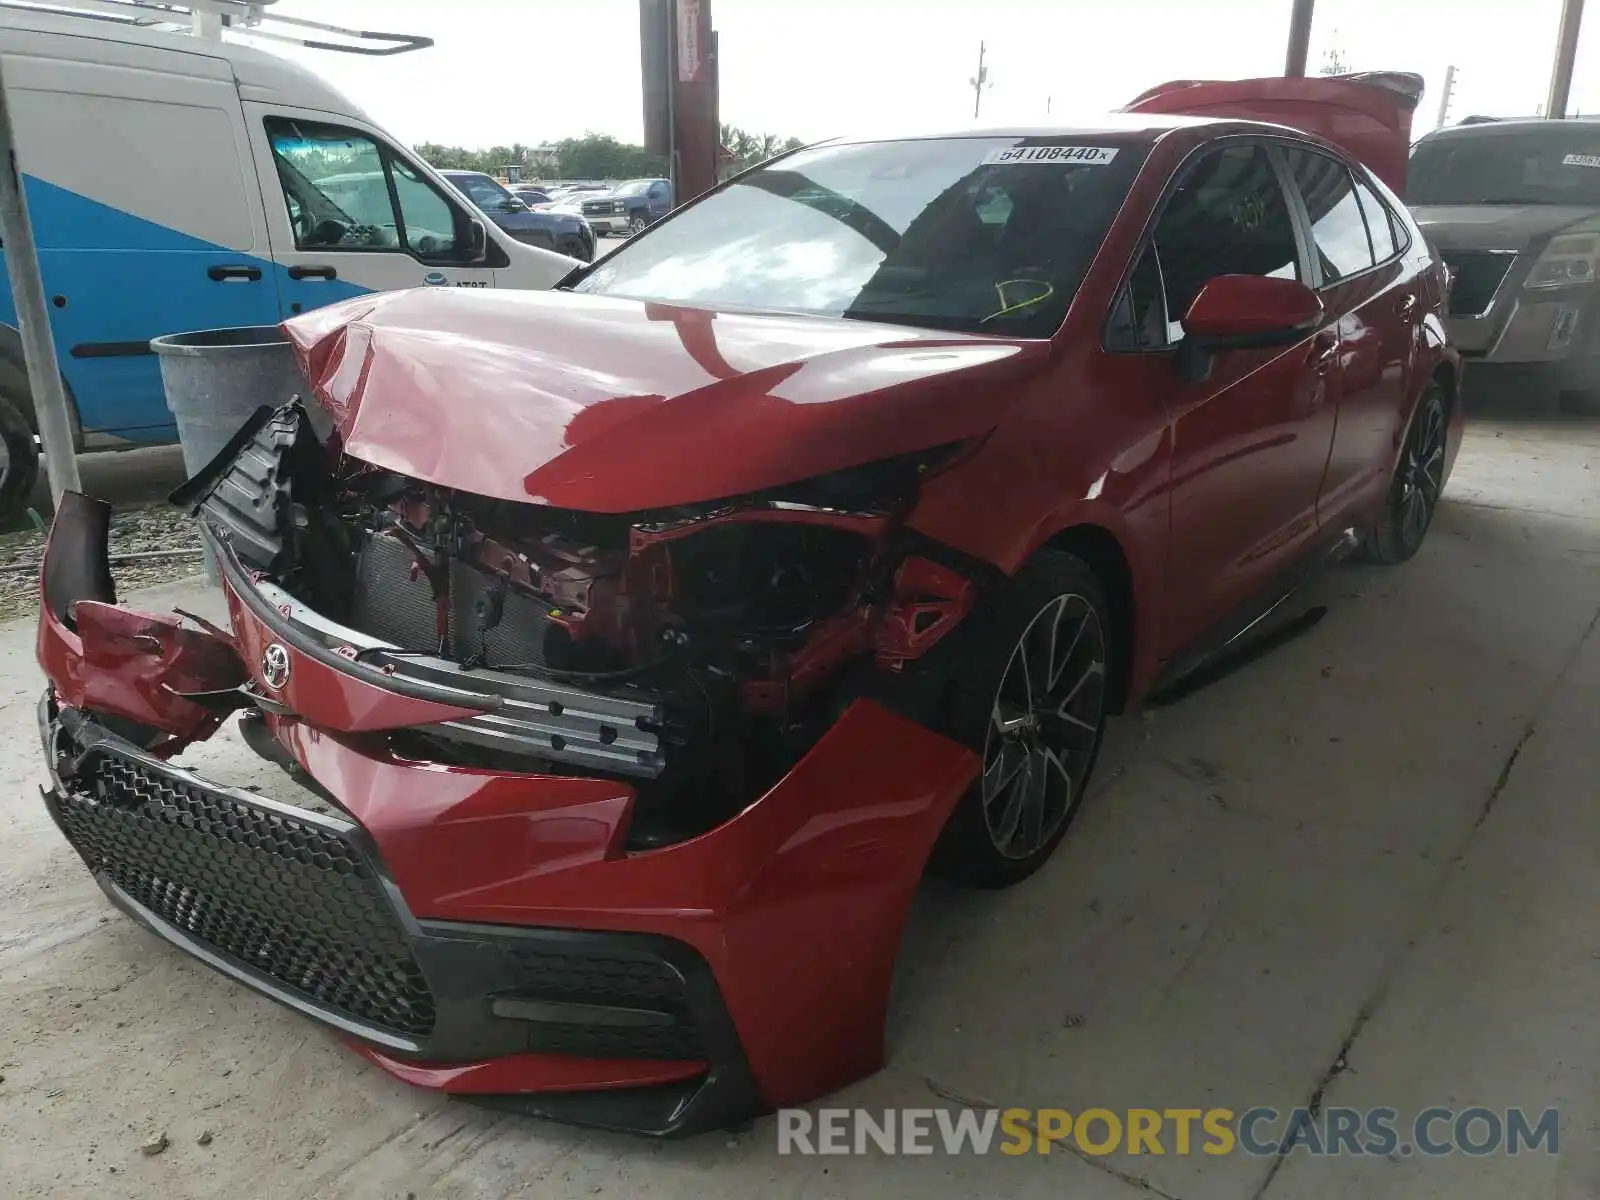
[{"x": 534, "y": 71}]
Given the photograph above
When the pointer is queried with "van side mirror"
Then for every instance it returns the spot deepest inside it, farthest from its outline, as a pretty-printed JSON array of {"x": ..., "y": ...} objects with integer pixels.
[{"x": 477, "y": 240}]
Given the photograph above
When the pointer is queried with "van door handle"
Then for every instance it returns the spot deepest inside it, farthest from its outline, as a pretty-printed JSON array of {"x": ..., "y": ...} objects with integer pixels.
[
  {"x": 1324, "y": 350},
  {"x": 1408, "y": 305},
  {"x": 322, "y": 272},
  {"x": 223, "y": 274}
]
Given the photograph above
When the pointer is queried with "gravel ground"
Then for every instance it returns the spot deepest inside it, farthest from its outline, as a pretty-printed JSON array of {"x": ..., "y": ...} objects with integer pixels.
[{"x": 152, "y": 544}]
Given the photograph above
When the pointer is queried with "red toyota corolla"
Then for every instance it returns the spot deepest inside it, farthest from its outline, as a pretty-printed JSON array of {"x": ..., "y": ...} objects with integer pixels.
[{"x": 631, "y": 649}]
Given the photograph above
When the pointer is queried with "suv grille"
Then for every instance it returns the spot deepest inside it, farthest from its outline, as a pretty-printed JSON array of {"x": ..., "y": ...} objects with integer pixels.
[
  {"x": 1476, "y": 276},
  {"x": 623, "y": 981},
  {"x": 291, "y": 900}
]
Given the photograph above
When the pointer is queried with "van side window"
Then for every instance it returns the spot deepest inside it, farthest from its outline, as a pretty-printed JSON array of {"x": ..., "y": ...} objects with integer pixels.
[{"x": 345, "y": 191}]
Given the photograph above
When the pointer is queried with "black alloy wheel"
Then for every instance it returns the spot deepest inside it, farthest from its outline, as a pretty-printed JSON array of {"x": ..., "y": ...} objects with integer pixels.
[
  {"x": 1034, "y": 705},
  {"x": 1416, "y": 487}
]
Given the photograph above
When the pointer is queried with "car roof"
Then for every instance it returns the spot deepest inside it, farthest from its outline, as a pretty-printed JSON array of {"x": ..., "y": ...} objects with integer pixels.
[{"x": 1510, "y": 126}]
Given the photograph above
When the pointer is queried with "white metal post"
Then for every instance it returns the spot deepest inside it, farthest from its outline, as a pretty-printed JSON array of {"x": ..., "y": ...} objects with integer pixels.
[
  {"x": 33, "y": 318},
  {"x": 1444, "y": 96}
]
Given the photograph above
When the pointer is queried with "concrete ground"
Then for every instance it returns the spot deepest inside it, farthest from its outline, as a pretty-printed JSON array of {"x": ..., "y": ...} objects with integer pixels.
[{"x": 1363, "y": 870}]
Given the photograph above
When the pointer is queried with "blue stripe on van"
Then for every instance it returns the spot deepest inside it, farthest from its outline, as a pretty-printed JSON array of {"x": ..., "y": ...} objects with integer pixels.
[{"x": 112, "y": 277}]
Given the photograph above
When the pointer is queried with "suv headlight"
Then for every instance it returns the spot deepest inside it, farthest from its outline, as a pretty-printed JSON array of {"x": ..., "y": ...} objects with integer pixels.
[{"x": 1570, "y": 260}]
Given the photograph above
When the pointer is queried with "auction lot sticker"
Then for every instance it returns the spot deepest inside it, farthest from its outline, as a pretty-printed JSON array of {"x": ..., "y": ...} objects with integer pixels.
[
  {"x": 1581, "y": 160},
  {"x": 1096, "y": 156}
]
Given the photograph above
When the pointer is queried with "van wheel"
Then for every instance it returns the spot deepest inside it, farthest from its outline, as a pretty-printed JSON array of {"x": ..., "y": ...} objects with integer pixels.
[{"x": 20, "y": 470}]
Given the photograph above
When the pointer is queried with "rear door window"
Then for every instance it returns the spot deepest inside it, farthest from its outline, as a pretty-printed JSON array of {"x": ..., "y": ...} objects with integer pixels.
[
  {"x": 1338, "y": 229},
  {"x": 1379, "y": 222}
]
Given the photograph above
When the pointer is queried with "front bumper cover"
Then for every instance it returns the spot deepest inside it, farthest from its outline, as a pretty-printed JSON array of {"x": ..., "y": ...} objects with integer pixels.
[{"x": 755, "y": 959}]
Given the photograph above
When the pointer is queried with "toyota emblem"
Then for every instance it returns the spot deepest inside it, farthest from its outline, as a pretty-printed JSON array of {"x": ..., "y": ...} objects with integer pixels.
[{"x": 275, "y": 666}]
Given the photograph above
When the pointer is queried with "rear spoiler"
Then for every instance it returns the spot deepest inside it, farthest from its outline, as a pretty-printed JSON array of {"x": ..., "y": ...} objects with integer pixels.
[{"x": 1367, "y": 114}]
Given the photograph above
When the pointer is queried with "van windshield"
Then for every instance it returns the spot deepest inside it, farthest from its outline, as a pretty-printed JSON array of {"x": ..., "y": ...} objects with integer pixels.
[
  {"x": 1552, "y": 163},
  {"x": 976, "y": 234}
]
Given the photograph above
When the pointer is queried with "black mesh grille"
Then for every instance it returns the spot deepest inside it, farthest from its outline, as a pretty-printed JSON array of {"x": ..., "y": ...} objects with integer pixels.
[
  {"x": 289, "y": 899},
  {"x": 622, "y": 982},
  {"x": 1476, "y": 276}
]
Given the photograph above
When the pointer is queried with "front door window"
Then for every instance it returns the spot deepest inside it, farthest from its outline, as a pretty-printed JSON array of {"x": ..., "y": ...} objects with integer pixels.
[{"x": 344, "y": 190}]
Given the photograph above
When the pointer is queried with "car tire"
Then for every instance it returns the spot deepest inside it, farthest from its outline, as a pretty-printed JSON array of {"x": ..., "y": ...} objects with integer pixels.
[
  {"x": 21, "y": 469},
  {"x": 574, "y": 248},
  {"x": 1415, "y": 486},
  {"x": 636, "y": 226},
  {"x": 1032, "y": 698}
]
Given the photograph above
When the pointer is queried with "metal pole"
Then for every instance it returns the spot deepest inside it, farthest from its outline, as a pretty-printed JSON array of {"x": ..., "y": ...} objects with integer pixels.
[
  {"x": 1444, "y": 97},
  {"x": 1294, "y": 62},
  {"x": 33, "y": 318},
  {"x": 1566, "y": 54}
]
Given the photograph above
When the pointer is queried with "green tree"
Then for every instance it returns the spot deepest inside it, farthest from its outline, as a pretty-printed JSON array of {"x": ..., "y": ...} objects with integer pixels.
[
  {"x": 747, "y": 149},
  {"x": 597, "y": 156}
]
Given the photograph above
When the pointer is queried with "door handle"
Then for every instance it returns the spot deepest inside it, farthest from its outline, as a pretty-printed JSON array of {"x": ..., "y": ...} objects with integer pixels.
[
  {"x": 223, "y": 274},
  {"x": 322, "y": 272},
  {"x": 1324, "y": 351},
  {"x": 1408, "y": 306}
]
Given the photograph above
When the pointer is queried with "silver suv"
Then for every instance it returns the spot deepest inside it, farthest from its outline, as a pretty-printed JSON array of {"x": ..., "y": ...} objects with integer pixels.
[{"x": 1513, "y": 208}]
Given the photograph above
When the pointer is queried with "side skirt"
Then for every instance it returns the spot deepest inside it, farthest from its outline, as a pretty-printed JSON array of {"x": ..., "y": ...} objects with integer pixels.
[{"x": 1255, "y": 629}]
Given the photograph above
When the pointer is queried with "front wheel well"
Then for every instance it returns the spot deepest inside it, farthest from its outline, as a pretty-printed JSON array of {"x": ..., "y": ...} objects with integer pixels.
[{"x": 1099, "y": 549}]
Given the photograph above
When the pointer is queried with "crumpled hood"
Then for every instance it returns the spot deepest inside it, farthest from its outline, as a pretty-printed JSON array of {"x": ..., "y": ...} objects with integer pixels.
[
  {"x": 1495, "y": 226},
  {"x": 613, "y": 405}
]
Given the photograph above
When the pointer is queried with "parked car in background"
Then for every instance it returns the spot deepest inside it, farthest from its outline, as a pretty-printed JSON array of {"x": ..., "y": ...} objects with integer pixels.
[
  {"x": 629, "y": 208},
  {"x": 1513, "y": 207},
  {"x": 648, "y": 638},
  {"x": 566, "y": 233},
  {"x": 529, "y": 194}
]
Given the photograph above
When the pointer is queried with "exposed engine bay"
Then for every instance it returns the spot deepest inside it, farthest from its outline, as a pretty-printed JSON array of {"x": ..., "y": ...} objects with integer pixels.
[{"x": 696, "y": 652}]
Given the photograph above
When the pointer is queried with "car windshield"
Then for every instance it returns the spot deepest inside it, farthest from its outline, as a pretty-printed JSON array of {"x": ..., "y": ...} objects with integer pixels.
[
  {"x": 1555, "y": 163},
  {"x": 634, "y": 187},
  {"x": 974, "y": 234}
]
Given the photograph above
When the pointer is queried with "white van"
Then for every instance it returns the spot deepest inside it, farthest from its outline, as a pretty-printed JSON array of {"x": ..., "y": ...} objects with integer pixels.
[{"x": 179, "y": 183}]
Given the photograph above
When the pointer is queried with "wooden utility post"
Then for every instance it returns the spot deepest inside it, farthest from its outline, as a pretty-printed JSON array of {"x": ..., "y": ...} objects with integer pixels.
[{"x": 33, "y": 317}]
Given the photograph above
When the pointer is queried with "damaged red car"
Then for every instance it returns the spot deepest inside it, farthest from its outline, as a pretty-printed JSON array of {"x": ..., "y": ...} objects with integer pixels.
[{"x": 632, "y": 649}]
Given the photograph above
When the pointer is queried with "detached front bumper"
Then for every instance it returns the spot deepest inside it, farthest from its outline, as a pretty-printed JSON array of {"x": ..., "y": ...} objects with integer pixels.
[{"x": 486, "y": 933}]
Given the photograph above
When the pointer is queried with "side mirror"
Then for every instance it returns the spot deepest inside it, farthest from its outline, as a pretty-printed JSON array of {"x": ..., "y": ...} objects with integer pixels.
[
  {"x": 477, "y": 240},
  {"x": 1244, "y": 312},
  {"x": 1244, "y": 309}
]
